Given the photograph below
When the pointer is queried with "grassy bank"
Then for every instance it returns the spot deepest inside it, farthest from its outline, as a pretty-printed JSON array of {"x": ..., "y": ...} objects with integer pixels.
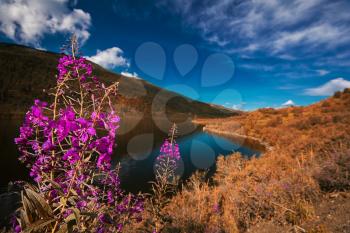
[{"x": 236, "y": 136}]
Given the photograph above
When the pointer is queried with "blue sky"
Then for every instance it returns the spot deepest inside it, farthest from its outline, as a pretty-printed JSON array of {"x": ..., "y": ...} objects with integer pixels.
[{"x": 238, "y": 53}]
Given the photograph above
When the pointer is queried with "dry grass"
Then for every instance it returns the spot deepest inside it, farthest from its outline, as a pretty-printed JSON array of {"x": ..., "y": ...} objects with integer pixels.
[
  {"x": 310, "y": 155},
  {"x": 245, "y": 193}
]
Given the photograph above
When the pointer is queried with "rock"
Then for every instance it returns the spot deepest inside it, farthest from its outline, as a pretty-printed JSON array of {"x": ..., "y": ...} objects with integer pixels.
[{"x": 9, "y": 202}]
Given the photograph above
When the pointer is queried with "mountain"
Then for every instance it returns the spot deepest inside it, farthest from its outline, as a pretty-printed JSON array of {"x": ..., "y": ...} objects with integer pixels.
[{"x": 25, "y": 74}]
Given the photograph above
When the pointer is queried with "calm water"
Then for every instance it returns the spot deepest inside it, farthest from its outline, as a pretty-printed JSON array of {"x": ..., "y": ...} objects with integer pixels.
[{"x": 138, "y": 145}]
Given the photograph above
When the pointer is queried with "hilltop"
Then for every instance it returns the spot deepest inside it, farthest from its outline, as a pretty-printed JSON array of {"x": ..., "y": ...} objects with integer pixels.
[{"x": 26, "y": 72}]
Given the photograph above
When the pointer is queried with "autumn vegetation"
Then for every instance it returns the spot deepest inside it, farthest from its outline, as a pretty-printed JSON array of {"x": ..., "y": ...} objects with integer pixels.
[{"x": 307, "y": 161}]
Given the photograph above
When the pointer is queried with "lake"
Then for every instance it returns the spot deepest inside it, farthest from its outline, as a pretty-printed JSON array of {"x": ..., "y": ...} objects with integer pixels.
[{"x": 138, "y": 144}]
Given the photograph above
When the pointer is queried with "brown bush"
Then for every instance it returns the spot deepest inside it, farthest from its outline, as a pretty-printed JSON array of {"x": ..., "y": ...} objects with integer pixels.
[
  {"x": 285, "y": 114},
  {"x": 337, "y": 94},
  {"x": 325, "y": 104},
  {"x": 297, "y": 111},
  {"x": 334, "y": 172},
  {"x": 245, "y": 192},
  {"x": 268, "y": 111},
  {"x": 275, "y": 122},
  {"x": 314, "y": 120},
  {"x": 347, "y": 91},
  {"x": 337, "y": 119},
  {"x": 301, "y": 125}
]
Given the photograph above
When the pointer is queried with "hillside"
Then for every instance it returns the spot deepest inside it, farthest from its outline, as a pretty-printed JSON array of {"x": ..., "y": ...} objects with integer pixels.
[
  {"x": 295, "y": 129},
  {"x": 25, "y": 72},
  {"x": 300, "y": 184}
]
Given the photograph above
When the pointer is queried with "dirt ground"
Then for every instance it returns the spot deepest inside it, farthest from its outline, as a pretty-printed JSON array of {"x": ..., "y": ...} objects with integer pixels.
[{"x": 332, "y": 215}]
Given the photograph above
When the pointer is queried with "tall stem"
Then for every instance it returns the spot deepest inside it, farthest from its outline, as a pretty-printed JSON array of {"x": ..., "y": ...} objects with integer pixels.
[{"x": 172, "y": 134}]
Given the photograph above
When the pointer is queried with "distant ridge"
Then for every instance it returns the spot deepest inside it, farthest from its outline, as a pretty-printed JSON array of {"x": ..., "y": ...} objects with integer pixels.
[{"x": 25, "y": 72}]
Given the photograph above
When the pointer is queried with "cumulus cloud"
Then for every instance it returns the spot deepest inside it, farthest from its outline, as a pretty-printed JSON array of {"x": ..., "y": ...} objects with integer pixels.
[
  {"x": 109, "y": 58},
  {"x": 329, "y": 88},
  {"x": 27, "y": 21},
  {"x": 130, "y": 75},
  {"x": 288, "y": 103}
]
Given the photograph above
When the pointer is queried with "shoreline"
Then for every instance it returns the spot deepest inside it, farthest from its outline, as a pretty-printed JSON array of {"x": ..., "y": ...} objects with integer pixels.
[{"x": 249, "y": 141}]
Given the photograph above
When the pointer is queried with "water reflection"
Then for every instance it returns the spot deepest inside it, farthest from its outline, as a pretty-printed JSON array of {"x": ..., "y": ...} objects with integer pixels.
[
  {"x": 138, "y": 144},
  {"x": 198, "y": 150}
]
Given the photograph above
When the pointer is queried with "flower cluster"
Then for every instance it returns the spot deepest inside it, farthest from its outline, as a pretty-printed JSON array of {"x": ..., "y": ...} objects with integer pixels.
[
  {"x": 74, "y": 67},
  {"x": 168, "y": 158},
  {"x": 68, "y": 147},
  {"x": 169, "y": 149},
  {"x": 70, "y": 134},
  {"x": 166, "y": 179}
]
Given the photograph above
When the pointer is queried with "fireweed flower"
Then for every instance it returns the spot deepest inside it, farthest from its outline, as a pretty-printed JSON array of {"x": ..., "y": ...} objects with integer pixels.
[
  {"x": 68, "y": 146},
  {"x": 15, "y": 225},
  {"x": 168, "y": 158},
  {"x": 169, "y": 150},
  {"x": 69, "y": 66},
  {"x": 166, "y": 179}
]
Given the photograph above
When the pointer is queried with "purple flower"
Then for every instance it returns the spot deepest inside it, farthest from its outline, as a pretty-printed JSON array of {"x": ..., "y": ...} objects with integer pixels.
[
  {"x": 72, "y": 155},
  {"x": 110, "y": 198},
  {"x": 15, "y": 225},
  {"x": 35, "y": 173},
  {"x": 68, "y": 114},
  {"x": 67, "y": 63},
  {"x": 53, "y": 194},
  {"x": 105, "y": 145},
  {"x": 169, "y": 150},
  {"x": 119, "y": 227},
  {"x": 67, "y": 213},
  {"x": 103, "y": 218},
  {"x": 52, "y": 144},
  {"x": 103, "y": 161},
  {"x": 81, "y": 204},
  {"x": 91, "y": 131},
  {"x": 47, "y": 145},
  {"x": 216, "y": 208},
  {"x": 84, "y": 137}
]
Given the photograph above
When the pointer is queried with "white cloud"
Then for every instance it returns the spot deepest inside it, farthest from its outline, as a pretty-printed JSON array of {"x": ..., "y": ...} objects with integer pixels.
[
  {"x": 271, "y": 26},
  {"x": 329, "y": 88},
  {"x": 323, "y": 34},
  {"x": 239, "y": 106},
  {"x": 323, "y": 72},
  {"x": 261, "y": 67},
  {"x": 288, "y": 103},
  {"x": 109, "y": 58},
  {"x": 288, "y": 87},
  {"x": 130, "y": 75},
  {"x": 27, "y": 21}
]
